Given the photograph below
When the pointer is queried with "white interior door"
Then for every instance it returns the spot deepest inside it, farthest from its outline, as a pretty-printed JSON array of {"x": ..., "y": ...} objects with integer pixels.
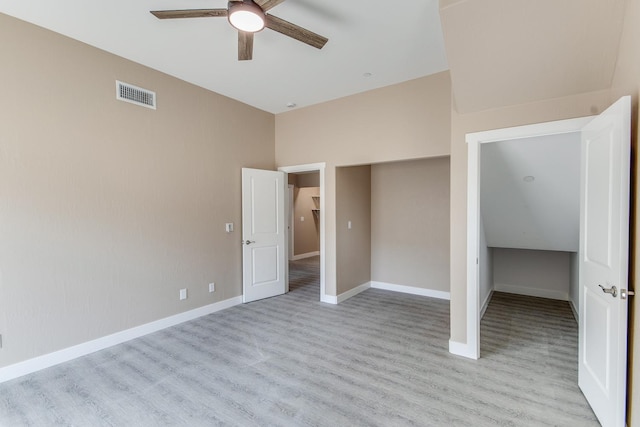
[
  {"x": 604, "y": 248},
  {"x": 263, "y": 234}
]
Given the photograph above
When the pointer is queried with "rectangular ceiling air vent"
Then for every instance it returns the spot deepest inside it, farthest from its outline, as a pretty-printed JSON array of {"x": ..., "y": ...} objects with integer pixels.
[{"x": 136, "y": 95}]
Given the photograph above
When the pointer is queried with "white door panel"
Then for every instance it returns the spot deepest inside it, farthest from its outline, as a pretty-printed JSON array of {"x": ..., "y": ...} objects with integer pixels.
[
  {"x": 264, "y": 194},
  {"x": 598, "y": 196},
  {"x": 597, "y": 326},
  {"x": 265, "y": 264},
  {"x": 263, "y": 234},
  {"x": 604, "y": 252}
]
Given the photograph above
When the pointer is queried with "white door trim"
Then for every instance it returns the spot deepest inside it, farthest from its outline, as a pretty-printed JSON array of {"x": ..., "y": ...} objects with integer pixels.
[
  {"x": 311, "y": 167},
  {"x": 471, "y": 348},
  {"x": 291, "y": 225}
]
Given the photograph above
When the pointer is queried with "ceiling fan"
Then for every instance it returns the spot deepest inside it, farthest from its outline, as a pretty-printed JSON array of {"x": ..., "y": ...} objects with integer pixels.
[{"x": 249, "y": 17}]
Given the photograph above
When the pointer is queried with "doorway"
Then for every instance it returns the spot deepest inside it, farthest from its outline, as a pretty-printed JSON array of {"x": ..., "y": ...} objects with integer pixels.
[
  {"x": 475, "y": 248},
  {"x": 530, "y": 217},
  {"x": 304, "y": 213},
  {"x": 319, "y": 214}
]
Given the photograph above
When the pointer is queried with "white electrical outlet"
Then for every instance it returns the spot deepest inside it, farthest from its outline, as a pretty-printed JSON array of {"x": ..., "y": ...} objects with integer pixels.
[
  {"x": 183, "y": 294},
  {"x": 212, "y": 287},
  {"x": 301, "y": 219}
]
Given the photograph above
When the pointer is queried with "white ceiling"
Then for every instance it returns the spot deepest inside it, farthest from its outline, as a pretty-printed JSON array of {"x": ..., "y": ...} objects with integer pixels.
[
  {"x": 393, "y": 42},
  {"x": 543, "y": 214}
]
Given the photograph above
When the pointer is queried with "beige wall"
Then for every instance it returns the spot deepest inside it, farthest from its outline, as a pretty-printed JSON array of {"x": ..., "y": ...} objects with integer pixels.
[
  {"x": 108, "y": 209},
  {"x": 353, "y": 245},
  {"x": 304, "y": 179},
  {"x": 626, "y": 78},
  {"x": 410, "y": 223},
  {"x": 306, "y": 233},
  {"x": 308, "y": 180},
  {"x": 405, "y": 121}
]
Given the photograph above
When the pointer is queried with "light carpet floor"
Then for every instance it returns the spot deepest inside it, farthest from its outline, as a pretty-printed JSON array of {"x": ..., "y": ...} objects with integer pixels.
[{"x": 377, "y": 359}]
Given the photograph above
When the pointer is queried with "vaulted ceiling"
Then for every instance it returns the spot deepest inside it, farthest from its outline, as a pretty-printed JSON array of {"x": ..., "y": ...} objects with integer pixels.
[
  {"x": 508, "y": 52},
  {"x": 371, "y": 45},
  {"x": 499, "y": 52},
  {"x": 530, "y": 192}
]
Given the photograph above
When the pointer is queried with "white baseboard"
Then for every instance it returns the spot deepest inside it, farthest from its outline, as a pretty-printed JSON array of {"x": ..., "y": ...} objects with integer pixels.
[
  {"x": 388, "y": 287},
  {"x": 303, "y": 256},
  {"x": 329, "y": 299},
  {"x": 353, "y": 292},
  {"x": 532, "y": 292},
  {"x": 411, "y": 290},
  {"x": 485, "y": 304},
  {"x": 462, "y": 349},
  {"x": 45, "y": 361}
]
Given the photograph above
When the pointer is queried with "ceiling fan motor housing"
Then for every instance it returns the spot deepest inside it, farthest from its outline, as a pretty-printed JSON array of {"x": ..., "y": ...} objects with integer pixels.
[{"x": 246, "y": 16}]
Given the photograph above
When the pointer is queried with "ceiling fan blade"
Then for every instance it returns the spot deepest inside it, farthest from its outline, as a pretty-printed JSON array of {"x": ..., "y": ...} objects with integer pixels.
[
  {"x": 189, "y": 13},
  {"x": 245, "y": 46},
  {"x": 296, "y": 32},
  {"x": 268, "y": 4}
]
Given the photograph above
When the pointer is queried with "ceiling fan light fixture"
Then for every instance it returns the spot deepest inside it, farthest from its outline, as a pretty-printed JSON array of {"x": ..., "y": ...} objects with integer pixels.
[{"x": 246, "y": 16}]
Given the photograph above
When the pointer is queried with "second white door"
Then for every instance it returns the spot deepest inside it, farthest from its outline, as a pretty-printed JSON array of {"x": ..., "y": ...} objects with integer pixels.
[{"x": 604, "y": 243}]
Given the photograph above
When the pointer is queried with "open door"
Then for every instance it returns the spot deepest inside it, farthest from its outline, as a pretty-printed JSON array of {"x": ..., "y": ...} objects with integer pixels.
[
  {"x": 604, "y": 244},
  {"x": 263, "y": 234}
]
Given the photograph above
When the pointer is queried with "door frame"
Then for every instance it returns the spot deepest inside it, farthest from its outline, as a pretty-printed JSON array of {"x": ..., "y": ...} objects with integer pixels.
[
  {"x": 291, "y": 223},
  {"x": 313, "y": 167},
  {"x": 471, "y": 349}
]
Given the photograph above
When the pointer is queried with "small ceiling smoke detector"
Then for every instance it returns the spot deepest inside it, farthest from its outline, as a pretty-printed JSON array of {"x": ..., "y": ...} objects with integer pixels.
[
  {"x": 529, "y": 178},
  {"x": 291, "y": 105},
  {"x": 367, "y": 75}
]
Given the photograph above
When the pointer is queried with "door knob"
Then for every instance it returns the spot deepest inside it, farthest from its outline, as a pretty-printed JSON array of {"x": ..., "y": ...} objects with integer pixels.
[
  {"x": 248, "y": 242},
  {"x": 612, "y": 290},
  {"x": 624, "y": 293}
]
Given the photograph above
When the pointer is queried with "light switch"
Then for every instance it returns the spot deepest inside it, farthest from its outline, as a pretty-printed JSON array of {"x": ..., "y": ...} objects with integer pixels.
[
  {"x": 301, "y": 219},
  {"x": 229, "y": 227},
  {"x": 349, "y": 225}
]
